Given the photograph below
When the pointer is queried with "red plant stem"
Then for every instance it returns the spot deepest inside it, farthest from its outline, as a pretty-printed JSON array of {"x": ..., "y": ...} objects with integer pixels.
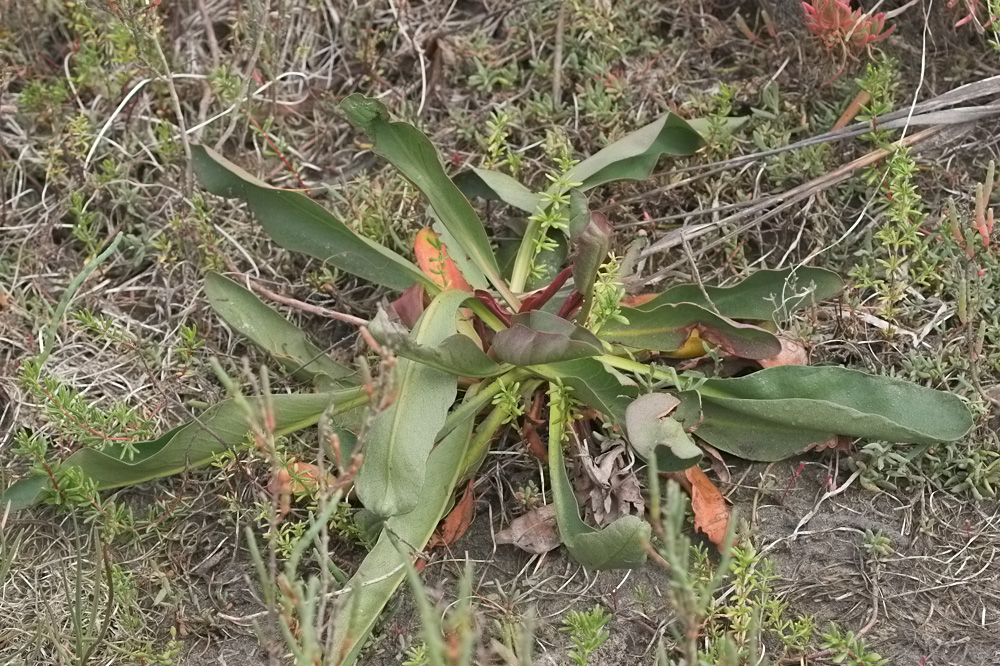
[
  {"x": 486, "y": 298},
  {"x": 538, "y": 300},
  {"x": 791, "y": 481},
  {"x": 572, "y": 303}
]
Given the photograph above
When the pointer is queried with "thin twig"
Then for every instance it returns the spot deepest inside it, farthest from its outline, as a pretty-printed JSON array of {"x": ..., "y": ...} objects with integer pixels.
[{"x": 306, "y": 307}]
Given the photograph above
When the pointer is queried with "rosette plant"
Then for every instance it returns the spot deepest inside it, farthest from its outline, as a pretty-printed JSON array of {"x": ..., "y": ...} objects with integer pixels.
[{"x": 475, "y": 340}]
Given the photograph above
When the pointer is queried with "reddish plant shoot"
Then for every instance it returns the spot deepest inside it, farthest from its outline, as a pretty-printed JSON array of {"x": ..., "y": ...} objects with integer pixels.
[{"x": 836, "y": 24}]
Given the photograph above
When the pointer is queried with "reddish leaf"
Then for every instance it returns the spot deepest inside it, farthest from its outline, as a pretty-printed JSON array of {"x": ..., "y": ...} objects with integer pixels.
[
  {"x": 409, "y": 306},
  {"x": 457, "y": 522},
  {"x": 711, "y": 513},
  {"x": 534, "y": 532},
  {"x": 637, "y": 300},
  {"x": 792, "y": 353},
  {"x": 533, "y": 441},
  {"x": 432, "y": 257}
]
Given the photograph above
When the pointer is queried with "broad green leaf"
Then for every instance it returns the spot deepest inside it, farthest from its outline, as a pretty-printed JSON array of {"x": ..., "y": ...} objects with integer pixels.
[
  {"x": 634, "y": 156},
  {"x": 298, "y": 223},
  {"x": 538, "y": 337},
  {"x": 765, "y": 295},
  {"x": 267, "y": 329},
  {"x": 592, "y": 384},
  {"x": 456, "y": 354},
  {"x": 667, "y": 327},
  {"x": 383, "y": 569},
  {"x": 654, "y": 432},
  {"x": 390, "y": 479},
  {"x": 620, "y": 545},
  {"x": 219, "y": 428},
  {"x": 579, "y": 212},
  {"x": 406, "y": 148},
  {"x": 729, "y": 125},
  {"x": 778, "y": 412},
  {"x": 496, "y": 186}
]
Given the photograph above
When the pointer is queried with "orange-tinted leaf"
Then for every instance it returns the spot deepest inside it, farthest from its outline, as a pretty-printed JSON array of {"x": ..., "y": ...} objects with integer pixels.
[
  {"x": 295, "y": 478},
  {"x": 792, "y": 353},
  {"x": 457, "y": 522},
  {"x": 533, "y": 441},
  {"x": 711, "y": 513},
  {"x": 432, "y": 257},
  {"x": 637, "y": 300}
]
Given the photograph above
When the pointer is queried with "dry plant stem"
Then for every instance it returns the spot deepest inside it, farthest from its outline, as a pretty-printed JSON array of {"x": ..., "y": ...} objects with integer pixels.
[
  {"x": 247, "y": 74},
  {"x": 853, "y": 109},
  {"x": 812, "y": 513},
  {"x": 178, "y": 111},
  {"x": 785, "y": 200},
  {"x": 557, "y": 57},
  {"x": 930, "y": 112},
  {"x": 306, "y": 307}
]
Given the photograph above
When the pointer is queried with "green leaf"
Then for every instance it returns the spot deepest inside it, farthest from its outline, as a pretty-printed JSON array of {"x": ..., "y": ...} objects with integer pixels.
[
  {"x": 778, "y": 412},
  {"x": 383, "y": 569},
  {"x": 593, "y": 385},
  {"x": 667, "y": 327},
  {"x": 406, "y": 148},
  {"x": 298, "y": 223},
  {"x": 285, "y": 342},
  {"x": 729, "y": 125},
  {"x": 765, "y": 295},
  {"x": 456, "y": 354},
  {"x": 620, "y": 545},
  {"x": 590, "y": 249},
  {"x": 538, "y": 337},
  {"x": 634, "y": 156},
  {"x": 653, "y": 431},
  {"x": 221, "y": 427},
  {"x": 390, "y": 479},
  {"x": 496, "y": 186}
]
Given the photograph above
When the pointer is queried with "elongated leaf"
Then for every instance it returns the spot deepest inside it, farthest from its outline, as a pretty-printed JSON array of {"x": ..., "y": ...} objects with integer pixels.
[
  {"x": 434, "y": 260},
  {"x": 383, "y": 569},
  {"x": 765, "y": 295},
  {"x": 457, "y": 354},
  {"x": 634, "y": 156},
  {"x": 298, "y": 223},
  {"x": 593, "y": 385},
  {"x": 653, "y": 431},
  {"x": 537, "y": 337},
  {"x": 267, "y": 329},
  {"x": 496, "y": 186},
  {"x": 406, "y": 148},
  {"x": 620, "y": 545},
  {"x": 667, "y": 327},
  {"x": 778, "y": 412},
  {"x": 221, "y": 427},
  {"x": 390, "y": 479}
]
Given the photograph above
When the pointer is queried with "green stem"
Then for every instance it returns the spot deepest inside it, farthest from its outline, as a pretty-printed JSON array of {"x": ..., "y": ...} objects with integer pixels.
[
  {"x": 525, "y": 256},
  {"x": 634, "y": 366},
  {"x": 470, "y": 408}
]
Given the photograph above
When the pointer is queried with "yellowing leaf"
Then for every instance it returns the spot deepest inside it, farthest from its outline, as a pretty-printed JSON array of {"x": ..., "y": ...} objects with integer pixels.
[{"x": 432, "y": 257}]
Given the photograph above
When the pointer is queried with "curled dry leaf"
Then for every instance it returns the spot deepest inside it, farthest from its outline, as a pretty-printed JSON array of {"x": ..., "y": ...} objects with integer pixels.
[
  {"x": 457, "y": 522},
  {"x": 840, "y": 443},
  {"x": 711, "y": 513},
  {"x": 534, "y": 532},
  {"x": 432, "y": 257},
  {"x": 792, "y": 353}
]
